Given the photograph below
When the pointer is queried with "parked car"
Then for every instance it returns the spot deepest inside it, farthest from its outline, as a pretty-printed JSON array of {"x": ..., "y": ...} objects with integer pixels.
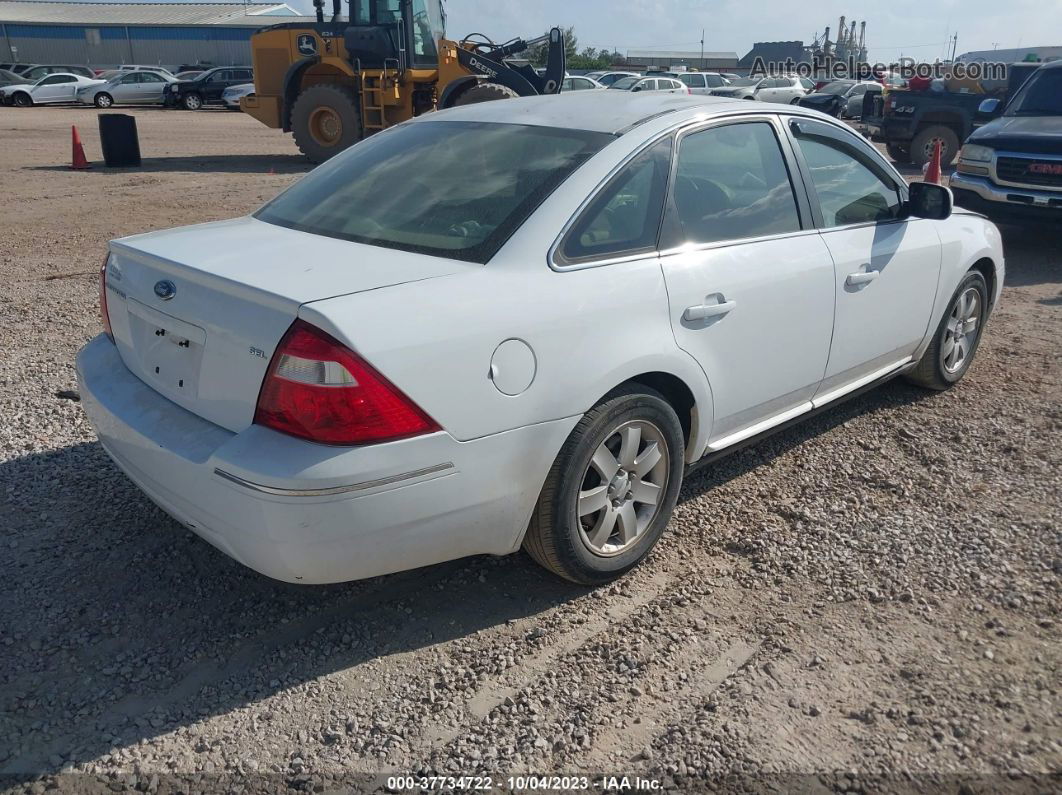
[
  {"x": 127, "y": 88},
  {"x": 318, "y": 425},
  {"x": 831, "y": 99},
  {"x": 650, "y": 84},
  {"x": 18, "y": 68},
  {"x": 608, "y": 78},
  {"x": 579, "y": 83},
  {"x": 232, "y": 95},
  {"x": 190, "y": 74},
  {"x": 162, "y": 70},
  {"x": 207, "y": 88},
  {"x": 1011, "y": 168},
  {"x": 702, "y": 82},
  {"x": 49, "y": 90},
  {"x": 787, "y": 90},
  {"x": 35, "y": 73},
  {"x": 9, "y": 78}
]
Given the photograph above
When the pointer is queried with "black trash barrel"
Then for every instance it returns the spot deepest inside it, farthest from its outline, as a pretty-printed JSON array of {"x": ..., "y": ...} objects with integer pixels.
[{"x": 118, "y": 137}]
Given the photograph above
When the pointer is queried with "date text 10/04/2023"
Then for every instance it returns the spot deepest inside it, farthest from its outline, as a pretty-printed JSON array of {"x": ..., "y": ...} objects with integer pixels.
[{"x": 524, "y": 783}]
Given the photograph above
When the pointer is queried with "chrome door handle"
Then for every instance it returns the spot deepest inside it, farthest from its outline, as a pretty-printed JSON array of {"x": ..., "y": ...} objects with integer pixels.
[
  {"x": 861, "y": 277},
  {"x": 702, "y": 311}
]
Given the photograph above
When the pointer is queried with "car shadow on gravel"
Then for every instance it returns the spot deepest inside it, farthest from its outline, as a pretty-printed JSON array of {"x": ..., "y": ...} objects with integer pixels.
[
  {"x": 117, "y": 625},
  {"x": 205, "y": 164}
]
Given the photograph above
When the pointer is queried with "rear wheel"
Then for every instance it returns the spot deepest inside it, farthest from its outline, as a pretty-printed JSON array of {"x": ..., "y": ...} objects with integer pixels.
[
  {"x": 324, "y": 121},
  {"x": 899, "y": 154},
  {"x": 192, "y": 101},
  {"x": 923, "y": 144},
  {"x": 103, "y": 100},
  {"x": 952, "y": 350},
  {"x": 610, "y": 493},
  {"x": 22, "y": 100},
  {"x": 484, "y": 92}
]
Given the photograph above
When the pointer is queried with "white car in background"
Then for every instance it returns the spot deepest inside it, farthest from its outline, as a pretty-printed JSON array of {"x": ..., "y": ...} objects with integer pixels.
[
  {"x": 669, "y": 84},
  {"x": 232, "y": 95},
  {"x": 580, "y": 83},
  {"x": 127, "y": 87},
  {"x": 517, "y": 323},
  {"x": 49, "y": 90},
  {"x": 608, "y": 78},
  {"x": 786, "y": 90}
]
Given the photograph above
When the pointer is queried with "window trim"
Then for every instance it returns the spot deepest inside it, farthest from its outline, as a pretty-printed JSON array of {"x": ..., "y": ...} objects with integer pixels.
[
  {"x": 857, "y": 143},
  {"x": 805, "y": 217}
]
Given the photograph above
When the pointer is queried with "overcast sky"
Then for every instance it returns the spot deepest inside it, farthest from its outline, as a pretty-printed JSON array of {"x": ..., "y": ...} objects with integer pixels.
[{"x": 917, "y": 28}]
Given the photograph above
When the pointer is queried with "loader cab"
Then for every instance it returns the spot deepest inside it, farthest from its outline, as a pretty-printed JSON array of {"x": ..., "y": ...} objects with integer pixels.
[{"x": 383, "y": 32}]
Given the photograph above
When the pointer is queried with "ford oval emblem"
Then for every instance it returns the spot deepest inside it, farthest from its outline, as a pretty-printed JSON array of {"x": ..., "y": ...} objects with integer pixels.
[{"x": 165, "y": 289}]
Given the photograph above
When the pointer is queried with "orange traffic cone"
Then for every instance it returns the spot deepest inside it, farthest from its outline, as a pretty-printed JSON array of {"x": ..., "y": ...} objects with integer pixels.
[
  {"x": 932, "y": 174},
  {"x": 79, "y": 160}
]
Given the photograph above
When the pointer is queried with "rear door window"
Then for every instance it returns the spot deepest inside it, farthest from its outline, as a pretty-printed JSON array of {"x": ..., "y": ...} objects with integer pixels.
[{"x": 731, "y": 182}]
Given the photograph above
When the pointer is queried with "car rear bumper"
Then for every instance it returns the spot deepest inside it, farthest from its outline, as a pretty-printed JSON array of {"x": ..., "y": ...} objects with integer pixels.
[
  {"x": 997, "y": 201},
  {"x": 308, "y": 513}
]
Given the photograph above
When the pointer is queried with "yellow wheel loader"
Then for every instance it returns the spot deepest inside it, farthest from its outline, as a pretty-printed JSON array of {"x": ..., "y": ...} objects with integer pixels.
[{"x": 332, "y": 83}]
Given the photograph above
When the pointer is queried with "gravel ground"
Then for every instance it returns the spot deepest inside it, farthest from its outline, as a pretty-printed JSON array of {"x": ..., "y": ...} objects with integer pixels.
[{"x": 868, "y": 601}]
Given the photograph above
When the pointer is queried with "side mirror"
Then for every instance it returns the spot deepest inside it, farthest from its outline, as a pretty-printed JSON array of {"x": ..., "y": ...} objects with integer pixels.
[
  {"x": 990, "y": 105},
  {"x": 636, "y": 88},
  {"x": 926, "y": 200}
]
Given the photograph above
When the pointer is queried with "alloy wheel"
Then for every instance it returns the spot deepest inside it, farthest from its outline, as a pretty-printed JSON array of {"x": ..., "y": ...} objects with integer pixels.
[
  {"x": 961, "y": 330},
  {"x": 623, "y": 487}
]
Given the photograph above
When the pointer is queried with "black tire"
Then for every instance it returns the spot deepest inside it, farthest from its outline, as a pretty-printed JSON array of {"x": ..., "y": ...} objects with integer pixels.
[
  {"x": 555, "y": 538},
  {"x": 192, "y": 101},
  {"x": 484, "y": 92},
  {"x": 22, "y": 100},
  {"x": 899, "y": 154},
  {"x": 103, "y": 100},
  {"x": 931, "y": 372},
  {"x": 320, "y": 110},
  {"x": 922, "y": 145}
]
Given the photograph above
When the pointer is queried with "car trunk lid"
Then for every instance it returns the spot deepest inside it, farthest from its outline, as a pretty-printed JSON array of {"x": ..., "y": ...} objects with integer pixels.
[{"x": 197, "y": 311}]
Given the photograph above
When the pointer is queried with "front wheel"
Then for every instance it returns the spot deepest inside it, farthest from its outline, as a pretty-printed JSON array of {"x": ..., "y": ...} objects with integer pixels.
[
  {"x": 22, "y": 100},
  {"x": 610, "y": 493},
  {"x": 952, "y": 350},
  {"x": 103, "y": 100},
  {"x": 325, "y": 120},
  {"x": 192, "y": 101}
]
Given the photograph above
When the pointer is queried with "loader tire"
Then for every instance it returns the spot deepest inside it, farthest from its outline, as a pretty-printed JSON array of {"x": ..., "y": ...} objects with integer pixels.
[
  {"x": 484, "y": 92},
  {"x": 325, "y": 121}
]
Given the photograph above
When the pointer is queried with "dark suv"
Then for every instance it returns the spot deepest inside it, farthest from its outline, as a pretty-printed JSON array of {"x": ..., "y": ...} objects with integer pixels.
[
  {"x": 206, "y": 89},
  {"x": 1011, "y": 168}
]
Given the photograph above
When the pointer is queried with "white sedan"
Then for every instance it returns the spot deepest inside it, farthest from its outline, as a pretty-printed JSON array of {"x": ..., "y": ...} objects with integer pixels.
[
  {"x": 49, "y": 90},
  {"x": 232, "y": 95},
  {"x": 516, "y": 324}
]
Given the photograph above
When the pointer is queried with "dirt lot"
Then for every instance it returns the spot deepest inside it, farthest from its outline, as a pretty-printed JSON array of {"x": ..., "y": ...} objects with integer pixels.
[{"x": 869, "y": 601}]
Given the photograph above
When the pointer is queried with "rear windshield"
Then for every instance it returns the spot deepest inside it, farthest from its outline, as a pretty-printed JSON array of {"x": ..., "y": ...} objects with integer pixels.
[{"x": 448, "y": 189}]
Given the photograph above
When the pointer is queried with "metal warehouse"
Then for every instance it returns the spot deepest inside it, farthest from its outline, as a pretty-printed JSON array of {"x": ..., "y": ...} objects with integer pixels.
[{"x": 110, "y": 34}]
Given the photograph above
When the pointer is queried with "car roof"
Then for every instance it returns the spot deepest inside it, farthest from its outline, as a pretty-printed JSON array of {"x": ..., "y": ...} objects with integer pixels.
[{"x": 602, "y": 111}]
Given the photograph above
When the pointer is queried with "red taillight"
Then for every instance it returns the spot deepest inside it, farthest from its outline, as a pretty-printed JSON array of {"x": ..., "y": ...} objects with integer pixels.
[
  {"x": 104, "y": 314},
  {"x": 689, "y": 90},
  {"x": 318, "y": 389}
]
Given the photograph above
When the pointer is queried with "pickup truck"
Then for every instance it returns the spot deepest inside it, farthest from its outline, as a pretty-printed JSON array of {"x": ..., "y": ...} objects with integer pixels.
[
  {"x": 1011, "y": 168},
  {"x": 910, "y": 123}
]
